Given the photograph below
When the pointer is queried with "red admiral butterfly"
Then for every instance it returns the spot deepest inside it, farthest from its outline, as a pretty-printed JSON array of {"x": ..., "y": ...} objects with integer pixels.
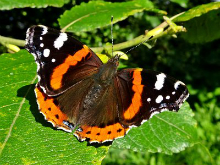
[{"x": 76, "y": 90}]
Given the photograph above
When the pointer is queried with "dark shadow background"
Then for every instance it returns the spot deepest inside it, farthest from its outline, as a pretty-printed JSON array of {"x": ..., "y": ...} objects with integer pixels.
[{"x": 33, "y": 104}]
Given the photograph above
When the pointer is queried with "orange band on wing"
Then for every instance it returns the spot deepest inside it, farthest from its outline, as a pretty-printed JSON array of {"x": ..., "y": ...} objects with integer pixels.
[
  {"x": 71, "y": 60},
  {"x": 97, "y": 134},
  {"x": 51, "y": 112},
  {"x": 136, "y": 101}
]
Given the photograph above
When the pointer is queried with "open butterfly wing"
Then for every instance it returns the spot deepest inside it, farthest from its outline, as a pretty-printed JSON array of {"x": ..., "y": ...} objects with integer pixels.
[
  {"x": 135, "y": 96},
  {"x": 62, "y": 60},
  {"x": 101, "y": 123},
  {"x": 69, "y": 95},
  {"x": 143, "y": 93}
]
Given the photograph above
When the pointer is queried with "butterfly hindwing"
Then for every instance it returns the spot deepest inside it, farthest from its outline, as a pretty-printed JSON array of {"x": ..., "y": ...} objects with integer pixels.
[
  {"x": 102, "y": 124},
  {"x": 51, "y": 111},
  {"x": 136, "y": 96}
]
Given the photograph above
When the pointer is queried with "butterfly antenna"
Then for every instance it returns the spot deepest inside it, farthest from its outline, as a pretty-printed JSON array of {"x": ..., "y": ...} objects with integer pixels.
[
  {"x": 138, "y": 44},
  {"x": 112, "y": 33}
]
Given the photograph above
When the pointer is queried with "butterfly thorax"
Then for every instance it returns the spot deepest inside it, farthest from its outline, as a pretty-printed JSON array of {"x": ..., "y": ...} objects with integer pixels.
[
  {"x": 102, "y": 80},
  {"x": 107, "y": 72}
]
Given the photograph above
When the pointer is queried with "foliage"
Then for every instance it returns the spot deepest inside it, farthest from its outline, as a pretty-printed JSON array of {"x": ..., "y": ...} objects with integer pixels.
[
  {"x": 26, "y": 138},
  {"x": 165, "y": 133},
  {"x": 96, "y": 14},
  {"x": 7, "y": 5}
]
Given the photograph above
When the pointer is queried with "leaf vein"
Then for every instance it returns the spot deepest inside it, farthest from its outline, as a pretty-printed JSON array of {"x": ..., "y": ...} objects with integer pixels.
[{"x": 15, "y": 118}]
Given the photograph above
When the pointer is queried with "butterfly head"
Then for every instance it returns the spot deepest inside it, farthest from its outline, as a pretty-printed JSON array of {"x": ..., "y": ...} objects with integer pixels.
[
  {"x": 108, "y": 70},
  {"x": 114, "y": 60}
]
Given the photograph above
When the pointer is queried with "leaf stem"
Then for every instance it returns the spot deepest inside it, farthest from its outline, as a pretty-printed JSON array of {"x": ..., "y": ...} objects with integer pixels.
[
  {"x": 150, "y": 35},
  {"x": 5, "y": 40},
  {"x": 207, "y": 151}
]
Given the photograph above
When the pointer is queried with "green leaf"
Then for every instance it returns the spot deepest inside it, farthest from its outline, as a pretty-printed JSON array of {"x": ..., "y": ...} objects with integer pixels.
[
  {"x": 25, "y": 137},
  {"x": 182, "y": 3},
  {"x": 167, "y": 132},
  {"x": 96, "y": 14},
  {"x": 202, "y": 23},
  {"x": 11, "y": 4},
  {"x": 197, "y": 11},
  {"x": 204, "y": 28}
]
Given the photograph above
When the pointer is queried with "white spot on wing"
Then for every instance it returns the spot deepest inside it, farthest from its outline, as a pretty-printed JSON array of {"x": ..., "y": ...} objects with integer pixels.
[
  {"x": 164, "y": 110},
  {"x": 38, "y": 78},
  {"x": 167, "y": 97},
  {"x": 53, "y": 60},
  {"x": 173, "y": 93},
  {"x": 42, "y": 45},
  {"x": 45, "y": 29},
  {"x": 160, "y": 81},
  {"x": 27, "y": 36},
  {"x": 58, "y": 43},
  {"x": 177, "y": 84},
  {"x": 149, "y": 99},
  {"x": 46, "y": 52},
  {"x": 143, "y": 122},
  {"x": 41, "y": 38},
  {"x": 159, "y": 99},
  {"x": 154, "y": 113}
]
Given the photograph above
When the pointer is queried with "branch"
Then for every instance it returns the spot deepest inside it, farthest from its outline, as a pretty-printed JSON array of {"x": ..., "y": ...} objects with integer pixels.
[
  {"x": 8, "y": 40},
  {"x": 150, "y": 35}
]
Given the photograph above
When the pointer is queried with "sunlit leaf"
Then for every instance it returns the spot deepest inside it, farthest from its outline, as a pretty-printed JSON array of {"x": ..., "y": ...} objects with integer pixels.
[
  {"x": 11, "y": 4},
  {"x": 167, "y": 132},
  {"x": 96, "y": 14},
  {"x": 25, "y": 136},
  {"x": 204, "y": 28},
  {"x": 197, "y": 11},
  {"x": 202, "y": 23}
]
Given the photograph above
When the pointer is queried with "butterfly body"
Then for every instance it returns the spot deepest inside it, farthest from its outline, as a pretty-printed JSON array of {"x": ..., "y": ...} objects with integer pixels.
[{"x": 76, "y": 90}]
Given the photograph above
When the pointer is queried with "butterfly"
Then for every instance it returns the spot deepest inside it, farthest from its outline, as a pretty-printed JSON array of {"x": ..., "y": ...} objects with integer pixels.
[{"x": 76, "y": 92}]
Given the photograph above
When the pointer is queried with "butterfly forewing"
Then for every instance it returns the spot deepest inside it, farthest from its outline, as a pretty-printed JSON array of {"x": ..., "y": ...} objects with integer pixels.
[
  {"x": 62, "y": 60},
  {"x": 144, "y": 93}
]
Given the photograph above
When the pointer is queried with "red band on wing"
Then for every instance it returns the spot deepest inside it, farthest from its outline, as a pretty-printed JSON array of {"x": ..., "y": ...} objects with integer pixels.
[
  {"x": 136, "y": 103},
  {"x": 71, "y": 60},
  {"x": 51, "y": 112},
  {"x": 97, "y": 134}
]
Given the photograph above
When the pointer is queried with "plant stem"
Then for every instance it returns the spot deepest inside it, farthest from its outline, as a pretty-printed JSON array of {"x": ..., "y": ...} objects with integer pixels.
[
  {"x": 127, "y": 44},
  {"x": 150, "y": 35},
  {"x": 5, "y": 40}
]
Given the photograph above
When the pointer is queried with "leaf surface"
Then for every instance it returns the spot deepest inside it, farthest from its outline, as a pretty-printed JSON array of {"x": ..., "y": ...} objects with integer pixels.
[
  {"x": 167, "y": 132},
  {"x": 204, "y": 28},
  {"x": 25, "y": 137},
  {"x": 202, "y": 23},
  {"x": 96, "y": 14},
  {"x": 197, "y": 11},
  {"x": 11, "y": 4}
]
